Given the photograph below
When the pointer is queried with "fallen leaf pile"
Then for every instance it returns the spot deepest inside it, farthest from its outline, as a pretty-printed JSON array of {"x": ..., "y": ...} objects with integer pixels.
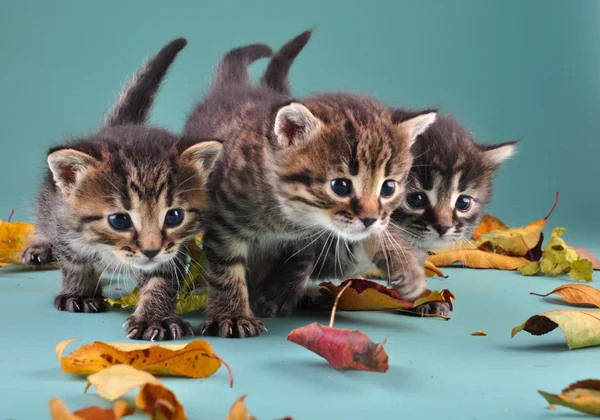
[
  {"x": 344, "y": 349},
  {"x": 558, "y": 258},
  {"x": 366, "y": 295},
  {"x": 583, "y": 396},
  {"x": 13, "y": 240}
]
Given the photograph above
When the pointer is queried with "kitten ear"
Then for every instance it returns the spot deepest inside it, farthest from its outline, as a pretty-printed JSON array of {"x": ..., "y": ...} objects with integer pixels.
[
  {"x": 69, "y": 167},
  {"x": 498, "y": 153},
  {"x": 202, "y": 156},
  {"x": 414, "y": 122},
  {"x": 294, "y": 123}
]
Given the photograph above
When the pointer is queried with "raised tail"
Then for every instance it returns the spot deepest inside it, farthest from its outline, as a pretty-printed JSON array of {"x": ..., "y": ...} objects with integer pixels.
[
  {"x": 137, "y": 97},
  {"x": 276, "y": 73},
  {"x": 233, "y": 67}
]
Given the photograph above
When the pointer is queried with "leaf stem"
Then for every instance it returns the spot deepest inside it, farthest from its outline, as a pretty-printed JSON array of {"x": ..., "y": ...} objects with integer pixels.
[
  {"x": 554, "y": 206},
  {"x": 337, "y": 298},
  {"x": 11, "y": 215},
  {"x": 228, "y": 369}
]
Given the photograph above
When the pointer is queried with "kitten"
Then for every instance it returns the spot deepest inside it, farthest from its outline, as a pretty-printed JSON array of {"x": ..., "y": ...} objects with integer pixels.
[
  {"x": 297, "y": 182},
  {"x": 126, "y": 198},
  {"x": 450, "y": 181}
]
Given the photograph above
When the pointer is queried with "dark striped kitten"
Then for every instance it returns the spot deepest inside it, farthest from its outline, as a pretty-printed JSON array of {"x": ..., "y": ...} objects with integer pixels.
[
  {"x": 126, "y": 198},
  {"x": 299, "y": 188},
  {"x": 450, "y": 182}
]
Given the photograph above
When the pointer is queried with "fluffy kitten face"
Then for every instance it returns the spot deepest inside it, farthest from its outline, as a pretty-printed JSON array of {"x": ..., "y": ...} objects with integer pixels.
[
  {"x": 449, "y": 185},
  {"x": 134, "y": 202},
  {"x": 344, "y": 172}
]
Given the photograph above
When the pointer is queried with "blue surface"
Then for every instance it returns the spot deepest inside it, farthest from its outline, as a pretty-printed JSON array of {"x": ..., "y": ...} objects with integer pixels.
[{"x": 437, "y": 369}]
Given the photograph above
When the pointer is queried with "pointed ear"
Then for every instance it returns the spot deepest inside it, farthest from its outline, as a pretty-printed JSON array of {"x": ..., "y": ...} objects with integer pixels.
[
  {"x": 69, "y": 167},
  {"x": 414, "y": 122},
  {"x": 294, "y": 123},
  {"x": 202, "y": 156},
  {"x": 498, "y": 153}
]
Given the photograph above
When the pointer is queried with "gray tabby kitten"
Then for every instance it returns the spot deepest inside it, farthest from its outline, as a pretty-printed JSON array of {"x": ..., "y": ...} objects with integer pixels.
[
  {"x": 450, "y": 181},
  {"x": 127, "y": 197},
  {"x": 299, "y": 188}
]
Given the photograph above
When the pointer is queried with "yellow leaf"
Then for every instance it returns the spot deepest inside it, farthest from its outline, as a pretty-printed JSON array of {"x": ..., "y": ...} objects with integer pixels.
[
  {"x": 581, "y": 328},
  {"x": 582, "y": 270},
  {"x": 431, "y": 270},
  {"x": 530, "y": 269},
  {"x": 125, "y": 301},
  {"x": 582, "y": 396},
  {"x": 194, "y": 359},
  {"x": 14, "y": 238},
  {"x": 239, "y": 411},
  {"x": 479, "y": 332},
  {"x": 58, "y": 411},
  {"x": 476, "y": 258}
]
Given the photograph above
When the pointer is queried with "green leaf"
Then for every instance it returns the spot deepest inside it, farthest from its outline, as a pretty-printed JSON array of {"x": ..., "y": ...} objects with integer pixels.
[
  {"x": 582, "y": 396},
  {"x": 582, "y": 270},
  {"x": 530, "y": 269},
  {"x": 581, "y": 328}
]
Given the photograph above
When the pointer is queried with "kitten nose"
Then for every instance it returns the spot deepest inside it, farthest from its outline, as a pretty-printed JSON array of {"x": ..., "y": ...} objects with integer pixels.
[
  {"x": 368, "y": 221},
  {"x": 151, "y": 253},
  {"x": 441, "y": 229}
]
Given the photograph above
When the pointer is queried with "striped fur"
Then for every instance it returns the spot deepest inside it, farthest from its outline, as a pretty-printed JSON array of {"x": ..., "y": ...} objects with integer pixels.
[
  {"x": 131, "y": 169},
  {"x": 272, "y": 205}
]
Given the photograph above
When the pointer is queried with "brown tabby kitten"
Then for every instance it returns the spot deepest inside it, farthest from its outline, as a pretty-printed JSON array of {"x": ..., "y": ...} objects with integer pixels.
[
  {"x": 126, "y": 198},
  {"x": 296, "y": 181},
  {"x": 450, "y": 181}
]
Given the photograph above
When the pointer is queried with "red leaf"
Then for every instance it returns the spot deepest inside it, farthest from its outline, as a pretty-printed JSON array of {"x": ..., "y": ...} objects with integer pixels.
[{"x": 343, "y": 349}]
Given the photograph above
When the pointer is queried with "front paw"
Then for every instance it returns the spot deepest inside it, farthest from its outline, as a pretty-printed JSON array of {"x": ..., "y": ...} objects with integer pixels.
[
  {"x": 435, "y": 308},
  {"x": 233, "y": 326},
  {"x": 73, "y": 303},
  {"x": 410, "y": 287},
  {"x": 272, "y": 303},
  {"x": 170, "y": 328},
  {"x": 40, "y": 254}
]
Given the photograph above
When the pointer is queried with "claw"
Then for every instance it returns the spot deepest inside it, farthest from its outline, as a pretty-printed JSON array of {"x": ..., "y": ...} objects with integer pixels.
[
  {"x": 154, "y": 335},
  {"x": 132, "y": 333}
]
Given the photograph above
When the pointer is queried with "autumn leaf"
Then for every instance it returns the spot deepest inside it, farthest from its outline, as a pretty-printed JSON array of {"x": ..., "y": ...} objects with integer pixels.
[
  {"x": 488, "y": 224},
  {"x": 14, "y": 237},
  {"x": 239, "y": 411},
  {"x": 586, "y": 254},
  {"x": 343, "y": 349},
  {"x": 366, "y": 295},
  {"x": 577, "y": 294},
  {"x": 479, "y": 333},
  {"x": 583, "y": 396},
  {"x": 430, "y": 271},
  {"x": 153, "y": 398},
  {"x": 475, "y": 258},
  {"x": 58, "y": 411},
  {"x": 558, "y": 258},
  {"x": 581, "y": 328},
  {"x": 194, "y": 359}
]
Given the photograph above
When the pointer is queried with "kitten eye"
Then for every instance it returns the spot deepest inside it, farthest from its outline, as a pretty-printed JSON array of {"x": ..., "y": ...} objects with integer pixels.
[
  {"x": 120, "y": 221},
  {"x": 388, "y": 187},
  {"x": 417, "y": 200},
  {"x": 341, "y": 186},
  {"x": 174, "y": 217},
  {"x": 463, "y": 203}
]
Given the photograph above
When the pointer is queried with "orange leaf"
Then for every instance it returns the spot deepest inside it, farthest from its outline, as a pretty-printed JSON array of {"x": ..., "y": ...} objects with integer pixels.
[
  {"x": 431, "y": 270},
  {"x": 578, "y": 294},
  {"x": 479, "y": 333},
  {"x": 366, "y": 295},
  {"x": 194, "y": 359},
  {"x": 488, "y": 223},
  {"x": 160, "y": 403},
  {"x": 14, "y": 238},
  {"x": 239, "y": 411},
  {"x": 58, "y": 411},
  {"x": 475, "y": 258}
]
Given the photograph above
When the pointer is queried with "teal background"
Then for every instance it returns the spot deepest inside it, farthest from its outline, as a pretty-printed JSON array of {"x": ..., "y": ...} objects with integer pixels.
[{"x": 507, "y": 69}]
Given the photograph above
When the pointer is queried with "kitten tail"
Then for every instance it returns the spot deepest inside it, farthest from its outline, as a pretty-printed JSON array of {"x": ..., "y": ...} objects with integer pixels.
[
  {"x": 233, "y": 67},
  {"x": 275, "y": 76},
  {"x": 137, "y": 97}
]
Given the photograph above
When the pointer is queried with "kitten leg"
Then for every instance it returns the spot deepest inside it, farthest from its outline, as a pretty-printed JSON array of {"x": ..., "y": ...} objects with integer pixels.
[
  {"x": 154, "y": 318},
  {"x": 285, "y": 286},
  {"x": 39, "y": 252},
  {"x": 228, "y": 311},
  {"x": 80, "y": 291}
]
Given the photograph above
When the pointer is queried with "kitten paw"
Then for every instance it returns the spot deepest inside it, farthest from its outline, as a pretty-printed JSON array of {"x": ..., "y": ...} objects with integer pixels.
[
  {"x": 233, "y": 326},
  {"x": 409, "y": 288},
  {"x": 170, "y": 328},
  {"x": 436, "y": 308},
  {"x": 273, "y": 305},
  {"x": 86, "y": 304},
  {"x": 40, "y": 254}
]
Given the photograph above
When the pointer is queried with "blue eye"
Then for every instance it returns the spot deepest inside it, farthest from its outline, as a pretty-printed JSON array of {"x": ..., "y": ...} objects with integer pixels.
[
  {"x": 463, "y": 203},
  {"x": 417, "y": 200},
  {"x": 120, "y": 221},
  {"x": 341, "y": 186},
  {"x": 388, "y": 188},
  {"x": 174, "y": 217}
]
